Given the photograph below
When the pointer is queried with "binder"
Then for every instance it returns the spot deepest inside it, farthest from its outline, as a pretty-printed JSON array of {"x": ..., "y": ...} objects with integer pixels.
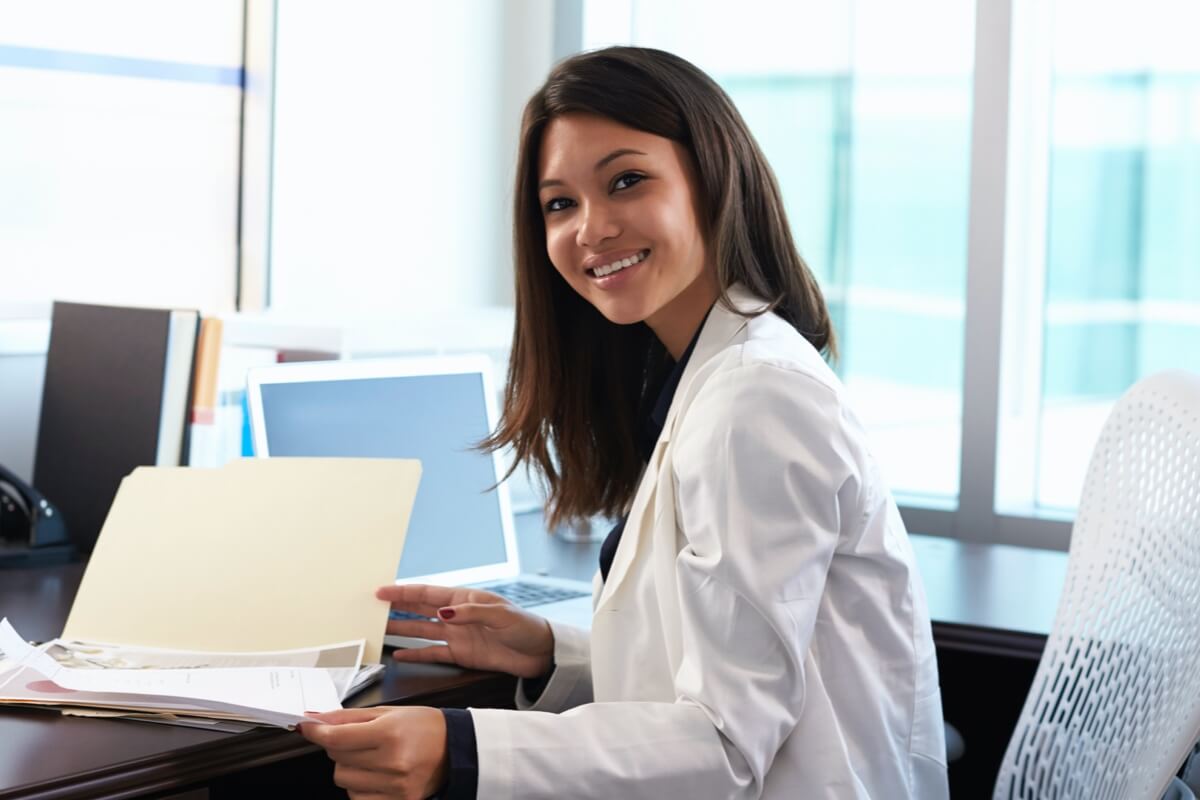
[
  {"x": 204, "y": 445},
  {"x": 116, "y": 397},
  {"x": 204, "y": 381}
]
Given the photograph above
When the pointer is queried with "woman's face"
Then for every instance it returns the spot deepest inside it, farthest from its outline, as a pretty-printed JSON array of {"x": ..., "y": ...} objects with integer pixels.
[{"x": 622, "y": 223}]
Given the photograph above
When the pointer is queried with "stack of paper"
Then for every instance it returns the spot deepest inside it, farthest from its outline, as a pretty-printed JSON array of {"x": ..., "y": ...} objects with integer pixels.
[{"x": 269, "y": 688}]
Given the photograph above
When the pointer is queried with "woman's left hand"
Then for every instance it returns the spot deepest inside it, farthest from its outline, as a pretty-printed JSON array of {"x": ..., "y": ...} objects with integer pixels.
[{"x": 384, "y": 752}]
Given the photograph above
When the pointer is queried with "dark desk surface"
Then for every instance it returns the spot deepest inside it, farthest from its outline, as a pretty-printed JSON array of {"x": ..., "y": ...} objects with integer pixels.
[
  {"x": 990, "y": 598},
  {"x": 46, "y": 755},
  {"x": 982, "y": 598}
]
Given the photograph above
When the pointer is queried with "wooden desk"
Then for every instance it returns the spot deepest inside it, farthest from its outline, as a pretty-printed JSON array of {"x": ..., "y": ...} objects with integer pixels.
[{"x": 45, "y": 755}]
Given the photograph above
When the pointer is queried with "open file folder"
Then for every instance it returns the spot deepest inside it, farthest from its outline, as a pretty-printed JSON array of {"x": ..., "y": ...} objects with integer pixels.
[
  {"x": 257, "y": 555},
  {"x": 279, "y": 555}
]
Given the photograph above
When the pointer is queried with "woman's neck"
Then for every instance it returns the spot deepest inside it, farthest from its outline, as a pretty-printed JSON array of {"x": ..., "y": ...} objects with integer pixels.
[{"x": 677, "y": 322}]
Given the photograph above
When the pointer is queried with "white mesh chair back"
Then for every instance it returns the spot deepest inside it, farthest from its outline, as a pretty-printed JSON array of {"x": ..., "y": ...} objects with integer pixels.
[{"x": 1115, "y": 706}]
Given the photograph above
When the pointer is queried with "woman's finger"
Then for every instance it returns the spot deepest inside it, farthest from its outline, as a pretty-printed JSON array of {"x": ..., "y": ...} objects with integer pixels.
[
  {"x": 340, "y": 716},
  {"x": 434, "y": 654},
  {"x": 362, "y": 759},
  {"x": 492, "y": 615},
  {"x": 359, "y": 779},
  {"x": 419, "y": 598},
  {"x": 417, "y": 628},
  {"x": 360, "y": 735}
]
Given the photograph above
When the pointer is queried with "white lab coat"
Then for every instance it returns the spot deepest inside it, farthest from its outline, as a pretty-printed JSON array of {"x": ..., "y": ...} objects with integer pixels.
[{"x": 763, "y": 631}]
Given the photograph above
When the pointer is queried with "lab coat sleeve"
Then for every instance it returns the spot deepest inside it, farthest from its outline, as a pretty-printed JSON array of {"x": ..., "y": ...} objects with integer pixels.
[
  {"x": 570, "y": 684},
  {"x": 762, "y": 474}
]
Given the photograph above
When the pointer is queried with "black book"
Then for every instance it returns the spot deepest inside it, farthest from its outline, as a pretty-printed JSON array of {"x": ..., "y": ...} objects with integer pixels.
[{"x": 116, "y": 396}]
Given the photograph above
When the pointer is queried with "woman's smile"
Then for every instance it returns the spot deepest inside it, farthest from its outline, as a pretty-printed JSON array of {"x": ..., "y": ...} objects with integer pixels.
[{"x": 614, "y": 269}]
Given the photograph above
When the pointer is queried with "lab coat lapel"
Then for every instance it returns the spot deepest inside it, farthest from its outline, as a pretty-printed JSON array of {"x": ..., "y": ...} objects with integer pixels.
[
  {"x": 631, "y": 537},
  {"x": 720, "y": 328}
]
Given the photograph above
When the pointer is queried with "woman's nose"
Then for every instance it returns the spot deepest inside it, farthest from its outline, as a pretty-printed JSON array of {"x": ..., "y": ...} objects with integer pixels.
[{"x": 596, "y": 223}]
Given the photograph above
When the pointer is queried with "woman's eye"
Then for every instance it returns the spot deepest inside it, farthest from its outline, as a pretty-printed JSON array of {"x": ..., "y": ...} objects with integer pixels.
[
  {"x": 557, "y": 204},
  {"x": 627, "y": 180}
]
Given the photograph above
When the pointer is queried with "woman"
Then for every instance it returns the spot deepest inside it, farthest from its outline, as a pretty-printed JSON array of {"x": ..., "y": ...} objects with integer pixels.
[{"x": 760, "y": 629}]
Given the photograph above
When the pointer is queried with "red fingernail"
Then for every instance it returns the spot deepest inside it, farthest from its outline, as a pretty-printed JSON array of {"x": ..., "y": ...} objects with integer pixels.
[{"x": 446, "y": 613}]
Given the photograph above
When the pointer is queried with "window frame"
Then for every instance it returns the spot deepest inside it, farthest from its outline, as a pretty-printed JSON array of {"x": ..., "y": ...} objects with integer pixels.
[
  {"x": 990, "y": 247},
  {"x": 257, "y": 156}
]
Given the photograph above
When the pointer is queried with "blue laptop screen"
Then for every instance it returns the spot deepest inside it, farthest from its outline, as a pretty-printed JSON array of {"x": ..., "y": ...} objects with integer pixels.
[{"x": 456, "y": 521}]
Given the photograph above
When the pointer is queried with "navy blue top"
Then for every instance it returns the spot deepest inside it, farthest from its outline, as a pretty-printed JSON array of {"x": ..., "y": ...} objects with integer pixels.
[{"x": 462, "y": 782}]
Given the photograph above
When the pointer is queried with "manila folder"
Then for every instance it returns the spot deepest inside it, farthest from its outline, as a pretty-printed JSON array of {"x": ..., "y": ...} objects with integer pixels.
[{"x": 261, "y": 554}]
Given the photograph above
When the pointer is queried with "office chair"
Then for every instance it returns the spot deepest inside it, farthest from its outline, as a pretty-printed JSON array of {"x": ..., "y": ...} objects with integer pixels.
[{"x": 1115, "y": 706}]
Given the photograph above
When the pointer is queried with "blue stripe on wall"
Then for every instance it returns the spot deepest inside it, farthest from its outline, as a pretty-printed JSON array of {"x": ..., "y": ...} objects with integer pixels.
[{"x": 94, "y": 64}]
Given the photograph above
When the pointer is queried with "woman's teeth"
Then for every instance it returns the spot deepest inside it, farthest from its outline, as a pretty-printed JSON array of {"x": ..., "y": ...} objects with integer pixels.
[{"x": 617, "y": 266}]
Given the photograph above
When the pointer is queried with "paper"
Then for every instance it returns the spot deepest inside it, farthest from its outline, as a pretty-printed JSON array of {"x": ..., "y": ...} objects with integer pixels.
[
  {"x": 261, "y": 554},
  {"x": 220, "y": 725},
  {"x": 339, "y": 660},
  {"x": 365, "y": 677},
  {"x": 275, "y": 695}
]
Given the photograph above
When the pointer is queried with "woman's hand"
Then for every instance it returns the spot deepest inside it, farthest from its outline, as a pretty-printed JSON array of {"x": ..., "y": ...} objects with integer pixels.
[
  {"x": 384, "y": 751},
  {"x": 481, "y": 630}
]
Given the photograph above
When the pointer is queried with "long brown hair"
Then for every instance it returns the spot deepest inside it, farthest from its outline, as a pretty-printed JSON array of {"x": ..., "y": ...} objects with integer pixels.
[{"x": 571, "y": 408}]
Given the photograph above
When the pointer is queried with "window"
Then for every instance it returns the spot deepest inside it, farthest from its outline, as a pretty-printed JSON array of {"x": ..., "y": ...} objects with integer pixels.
[
  {"x": 119, "y": 151},
  {"x": 1110, "y": 229},
  {"x": 1001, "y": 204}
]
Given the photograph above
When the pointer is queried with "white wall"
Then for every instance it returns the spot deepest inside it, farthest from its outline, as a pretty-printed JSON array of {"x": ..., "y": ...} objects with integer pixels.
[{"x": 395, "y": 136}]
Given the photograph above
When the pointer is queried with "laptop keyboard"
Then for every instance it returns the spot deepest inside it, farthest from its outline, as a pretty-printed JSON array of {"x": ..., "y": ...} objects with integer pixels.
[
  {"x": 534, "y": 594},
  {"x": 523, "y": 594}
]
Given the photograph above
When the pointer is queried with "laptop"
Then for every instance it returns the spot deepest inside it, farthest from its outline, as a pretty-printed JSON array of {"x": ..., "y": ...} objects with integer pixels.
[{"x": 461, "y": 532}]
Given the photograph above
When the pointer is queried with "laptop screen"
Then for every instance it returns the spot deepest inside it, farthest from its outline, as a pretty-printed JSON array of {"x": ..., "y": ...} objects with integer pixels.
[{"x": 457, "y": 523}]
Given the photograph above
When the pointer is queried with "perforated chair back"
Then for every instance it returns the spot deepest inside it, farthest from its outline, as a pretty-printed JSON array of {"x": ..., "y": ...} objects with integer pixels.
[{"x": 1115, "y": 706}]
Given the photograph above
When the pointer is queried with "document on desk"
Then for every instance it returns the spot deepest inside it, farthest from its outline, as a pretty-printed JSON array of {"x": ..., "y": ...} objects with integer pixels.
[
  {"x": 341, "y": 661},
  {"x": 273, "y": 695}
]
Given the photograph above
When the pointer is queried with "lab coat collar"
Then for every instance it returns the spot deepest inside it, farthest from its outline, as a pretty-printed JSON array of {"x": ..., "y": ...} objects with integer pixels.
[
  {"x": 666, "y": 394},
  {"x": 720, "y": 328}
]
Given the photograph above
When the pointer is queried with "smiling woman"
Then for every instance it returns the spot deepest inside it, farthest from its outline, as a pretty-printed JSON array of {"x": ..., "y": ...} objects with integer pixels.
[
  {"x": 665, "y": 163},
  {"x": 760, "y": 630}
]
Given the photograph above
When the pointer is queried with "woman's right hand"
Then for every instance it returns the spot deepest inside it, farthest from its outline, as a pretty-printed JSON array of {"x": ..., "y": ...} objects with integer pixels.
[{"x": 481, "y": 630}]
